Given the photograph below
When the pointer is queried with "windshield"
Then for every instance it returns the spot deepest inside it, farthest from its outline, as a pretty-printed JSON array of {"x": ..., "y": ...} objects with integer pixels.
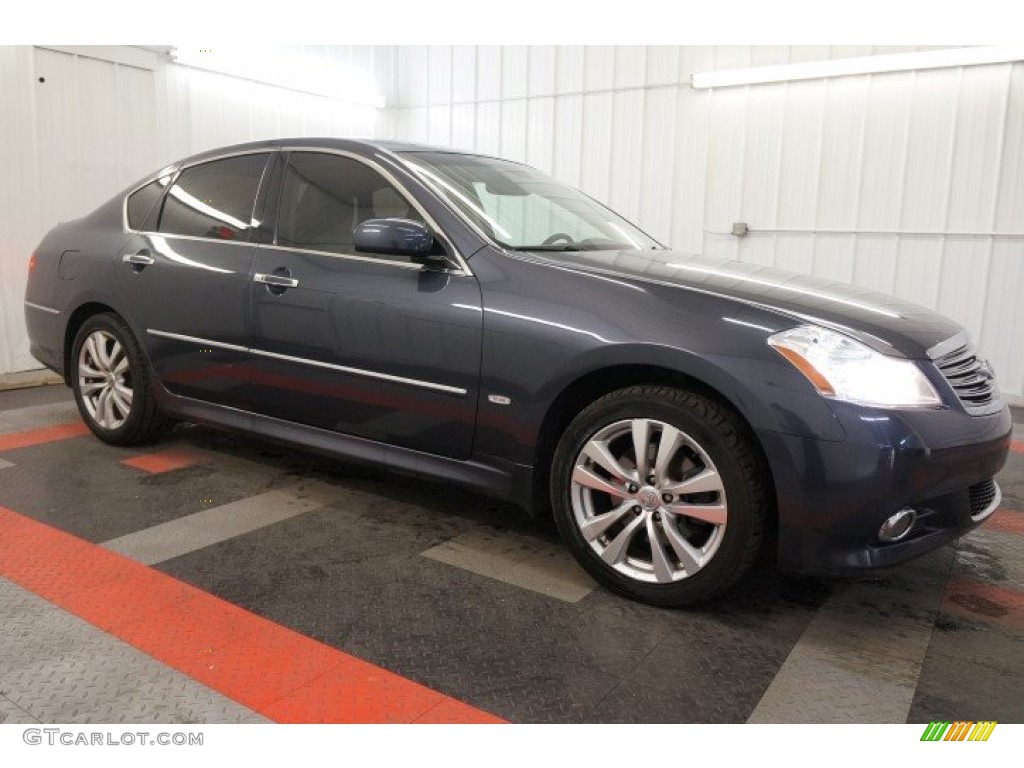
[{"x": 521, "y": 208}]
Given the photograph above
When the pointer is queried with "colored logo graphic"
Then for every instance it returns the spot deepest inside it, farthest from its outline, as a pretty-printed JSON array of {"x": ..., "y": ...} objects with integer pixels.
[{"x": 959, "y": 731}]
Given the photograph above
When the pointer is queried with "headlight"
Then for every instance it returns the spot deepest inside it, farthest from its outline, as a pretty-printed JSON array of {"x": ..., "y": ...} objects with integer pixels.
[{"x": 842, "y": 368}]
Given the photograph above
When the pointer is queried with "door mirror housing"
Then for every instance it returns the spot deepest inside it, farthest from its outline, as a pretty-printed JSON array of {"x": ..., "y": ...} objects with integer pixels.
[{"x": 396, "y": 237}]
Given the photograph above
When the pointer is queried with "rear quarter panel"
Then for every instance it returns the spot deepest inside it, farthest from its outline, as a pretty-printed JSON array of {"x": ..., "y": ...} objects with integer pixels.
[{"x": 74, "y": 267}]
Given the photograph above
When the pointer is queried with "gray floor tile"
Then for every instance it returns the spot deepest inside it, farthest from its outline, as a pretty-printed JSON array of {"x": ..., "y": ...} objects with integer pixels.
[
  {"x": 54, "y": 667},
  {"x": 524, "y": 561}
]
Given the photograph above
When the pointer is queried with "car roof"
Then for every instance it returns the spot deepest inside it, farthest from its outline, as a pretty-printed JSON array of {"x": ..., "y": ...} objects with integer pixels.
[{"x": 358, "y": 146}]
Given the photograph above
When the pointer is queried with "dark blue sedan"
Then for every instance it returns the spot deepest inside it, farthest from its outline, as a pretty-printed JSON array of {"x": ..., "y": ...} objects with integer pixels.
[{"x": 471, "y": 320}]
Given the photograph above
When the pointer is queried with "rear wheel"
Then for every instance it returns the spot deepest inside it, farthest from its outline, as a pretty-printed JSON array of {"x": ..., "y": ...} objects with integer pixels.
[
  {"x": 112, "y": 385},
  {"x": 660, "y": 495}
]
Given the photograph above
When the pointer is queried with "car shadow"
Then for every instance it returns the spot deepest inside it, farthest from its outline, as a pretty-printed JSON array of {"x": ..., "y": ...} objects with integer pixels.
[{"x": 764, "y": 589}]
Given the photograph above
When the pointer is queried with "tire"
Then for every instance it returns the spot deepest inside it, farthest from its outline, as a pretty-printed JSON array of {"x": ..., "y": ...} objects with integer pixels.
[
  {"x": 711, "y": 525},
  {"x": 107, "y": 358}
]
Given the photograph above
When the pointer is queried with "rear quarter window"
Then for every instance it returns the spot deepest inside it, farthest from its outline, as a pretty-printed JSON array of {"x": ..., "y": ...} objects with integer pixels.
[{"x": 142, "y": 201}]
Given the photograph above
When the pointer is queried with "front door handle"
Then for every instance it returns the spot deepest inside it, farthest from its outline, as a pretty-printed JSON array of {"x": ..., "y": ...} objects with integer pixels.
[
  {"x": 140, "y": 259},
  {"x": 276, "y": 281}
]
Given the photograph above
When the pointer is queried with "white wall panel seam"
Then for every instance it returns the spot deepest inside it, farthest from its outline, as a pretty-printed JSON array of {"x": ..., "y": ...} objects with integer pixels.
[
  {"x": 819, "y": 155},
  {"x": 778, "y": 177},
  {"x": 707, "y": 171},
  {"x": 950, "y": 162},
  {"x": 903, "y": 185},
  {"x": 997, "y": 182},
  {"x": 997, "y": 179}
]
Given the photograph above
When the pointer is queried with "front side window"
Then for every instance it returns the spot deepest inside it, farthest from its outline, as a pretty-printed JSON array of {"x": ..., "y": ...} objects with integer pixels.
[
  {"x": 214, "y": 199},
  {"x": 324, "y": 197},
  {"x": 142, "y": 201},
  {"x": 521, "y": 208}
]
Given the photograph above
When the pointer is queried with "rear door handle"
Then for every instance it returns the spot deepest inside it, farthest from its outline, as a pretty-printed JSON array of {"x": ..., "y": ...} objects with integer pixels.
[
  {"x": 277, "y": 281},
  {"x": 140, "y": 259}
]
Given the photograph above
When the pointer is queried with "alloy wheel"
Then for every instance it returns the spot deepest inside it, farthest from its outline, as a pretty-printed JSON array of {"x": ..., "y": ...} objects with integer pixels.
[
  {"x": 104, "y": 380},
  {"x": 649, "y": 500}
]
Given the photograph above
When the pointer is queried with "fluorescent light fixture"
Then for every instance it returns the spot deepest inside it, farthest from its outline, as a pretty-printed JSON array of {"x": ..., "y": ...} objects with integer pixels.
[
  {"x": 862, "y": 65},
  {"x": 286, "y": 68}
]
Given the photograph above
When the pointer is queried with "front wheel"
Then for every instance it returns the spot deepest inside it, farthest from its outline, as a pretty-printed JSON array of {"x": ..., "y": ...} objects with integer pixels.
[
  {"x": 112, "y": 385},
  {"x": 660, "y": 494}
]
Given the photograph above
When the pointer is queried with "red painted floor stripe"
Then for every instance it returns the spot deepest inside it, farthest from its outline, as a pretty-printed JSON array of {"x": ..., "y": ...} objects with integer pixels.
[
  {"x": 1017, "y": 446},
  {"x": 163, "y": 461},
  {"x": 985, "y": 602},
  {"x": 285, "y": 676},
  {"x": 1006, "y": 521},
  {"x": 14, "y": 440},
  {"x": 454, "y": 712}
]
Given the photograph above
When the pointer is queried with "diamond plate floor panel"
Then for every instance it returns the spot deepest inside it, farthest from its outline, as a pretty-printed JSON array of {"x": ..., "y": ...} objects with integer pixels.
[
  {"x": 975, "y": 663},
  {"x": 12, "y": 714},
  {"x": 35, "y": 416},
  {"x": 56, "y": 668},
  {"x": 860, "y": 658}
]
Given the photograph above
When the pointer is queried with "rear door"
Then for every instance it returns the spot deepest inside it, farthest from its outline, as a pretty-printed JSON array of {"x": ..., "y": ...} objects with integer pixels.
[
  {"x": 185, "y": 277},
  {"x": 373, "y": 346}
]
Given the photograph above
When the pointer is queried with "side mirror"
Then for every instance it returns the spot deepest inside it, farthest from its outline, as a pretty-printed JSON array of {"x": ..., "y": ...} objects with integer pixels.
[{"x": 395, "y": 237}]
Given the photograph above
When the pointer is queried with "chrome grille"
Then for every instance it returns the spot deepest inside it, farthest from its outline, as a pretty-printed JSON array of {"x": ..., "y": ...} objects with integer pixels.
[{"x": 970, "y": 377}]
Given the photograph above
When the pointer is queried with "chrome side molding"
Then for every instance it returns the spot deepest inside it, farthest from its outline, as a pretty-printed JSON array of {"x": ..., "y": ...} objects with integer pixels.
[{"x": 445, "y": 388}]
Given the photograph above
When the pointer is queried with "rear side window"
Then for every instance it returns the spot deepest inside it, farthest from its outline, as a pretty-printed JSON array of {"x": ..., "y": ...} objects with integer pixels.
[
  {"x": 214, "y": 199},
  {"x": 324, "y": 197},
  {"x": 142, "y": 201}
]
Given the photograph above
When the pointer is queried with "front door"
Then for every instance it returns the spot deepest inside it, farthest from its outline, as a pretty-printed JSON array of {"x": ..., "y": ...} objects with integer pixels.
[
  {"x": 185, "y": 279},
  {"x": 372, "y": 346}
]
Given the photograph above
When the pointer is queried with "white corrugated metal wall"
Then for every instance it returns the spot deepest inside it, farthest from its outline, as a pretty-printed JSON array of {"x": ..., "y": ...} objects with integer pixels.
[
  {"x": 94, "y": 126},
  {"x": 891, "y": 181}
]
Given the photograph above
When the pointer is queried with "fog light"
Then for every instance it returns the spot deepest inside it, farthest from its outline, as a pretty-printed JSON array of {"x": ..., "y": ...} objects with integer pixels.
[{"x": 897, "y": 526}]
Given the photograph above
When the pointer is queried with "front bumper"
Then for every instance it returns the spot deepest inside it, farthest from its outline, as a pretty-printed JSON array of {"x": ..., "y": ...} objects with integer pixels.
[{"x": 833, "y": 496}]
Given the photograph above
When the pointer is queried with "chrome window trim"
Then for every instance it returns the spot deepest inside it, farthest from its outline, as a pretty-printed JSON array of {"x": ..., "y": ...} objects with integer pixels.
[
  {"x": 444, "y": 388},
  {"x": 409, "y": 198},
  {"x": 41, "y": 308},
  {"x": 196, "y": 340},
  {"x": 169, "y": 236},
  {"x": 177, "y": 168},
  {"x": 369, "y": 259}
]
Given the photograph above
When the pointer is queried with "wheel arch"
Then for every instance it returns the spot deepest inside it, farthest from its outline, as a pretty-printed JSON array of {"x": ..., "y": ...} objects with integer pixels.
[
  {"x": 75, "y": 321},
  {"x": 588, "y": 387}
]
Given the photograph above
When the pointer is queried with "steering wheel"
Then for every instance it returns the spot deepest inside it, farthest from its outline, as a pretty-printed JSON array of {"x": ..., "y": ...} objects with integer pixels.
[{"x": 559, "y": 236}]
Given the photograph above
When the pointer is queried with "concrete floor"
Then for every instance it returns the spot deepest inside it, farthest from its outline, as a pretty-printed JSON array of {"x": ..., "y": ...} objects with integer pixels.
[{"x": 214, "y": 578}]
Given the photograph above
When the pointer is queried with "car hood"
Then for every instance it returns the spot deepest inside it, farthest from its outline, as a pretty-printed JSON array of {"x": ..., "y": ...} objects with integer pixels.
[{"x": 887, "y": 324}]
